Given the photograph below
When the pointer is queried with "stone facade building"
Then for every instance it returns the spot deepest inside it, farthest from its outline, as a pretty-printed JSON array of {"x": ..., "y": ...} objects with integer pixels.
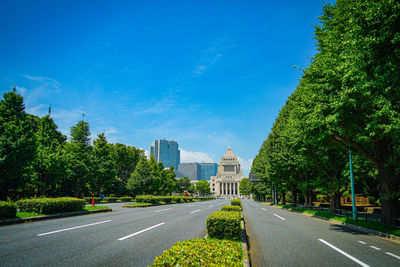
[{"x": 226, "y": 183}]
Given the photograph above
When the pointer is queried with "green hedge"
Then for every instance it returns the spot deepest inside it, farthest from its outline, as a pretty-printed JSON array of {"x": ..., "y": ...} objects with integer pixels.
[
  {"x": 224, "y": 225},
  {"x": 110, "y": 199},
  {"x": 7, "y": 210},
  {"x": 202, "y": 252},
  {"x": 231, "y": 208},
  {"x": 146, "y": 199},
  {"x": 51, "y": 205},
  {"x": 236, "y": 202},
  {"x": 126, "y": 199},
  {"x": 205, "y": 198}
]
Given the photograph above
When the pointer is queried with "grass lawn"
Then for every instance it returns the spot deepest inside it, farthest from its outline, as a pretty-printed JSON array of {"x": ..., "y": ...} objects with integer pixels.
[{"x": 22, "y": 214}]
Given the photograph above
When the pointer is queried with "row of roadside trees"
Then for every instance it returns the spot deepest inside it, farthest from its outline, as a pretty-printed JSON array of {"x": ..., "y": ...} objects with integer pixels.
[
  {"x": 348, "y": 99},
  {"x": 37, "y": 160}
]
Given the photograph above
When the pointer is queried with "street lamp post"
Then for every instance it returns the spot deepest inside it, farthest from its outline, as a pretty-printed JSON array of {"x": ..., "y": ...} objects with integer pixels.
[{"x": 352, "y": 189}]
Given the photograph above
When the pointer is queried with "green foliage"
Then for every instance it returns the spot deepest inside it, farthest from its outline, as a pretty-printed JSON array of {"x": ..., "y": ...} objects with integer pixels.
[
  {"x": 90, "y": 199},
  {"x": 147, "y": 199},
  {"x": 203, "y": 188},
  {"x": 50, "y": 205},
  {"x": 7, "y": 210},
  {"x": 17, "y": 145},
  {"x": 140, "y": 180},
  {"x": 204, "y": 198},
  {"x": 244, "y": 186},
  {"x": 236, "y": 202},
  {"x": 111, "y": 199},
  {"x": 126, "y": 199},
  {"x": 224, "y": 225},
  {"x": 182, "y": 184},
  {"x": 231, "y": 208},
  {"x": 202, "y": 252}
]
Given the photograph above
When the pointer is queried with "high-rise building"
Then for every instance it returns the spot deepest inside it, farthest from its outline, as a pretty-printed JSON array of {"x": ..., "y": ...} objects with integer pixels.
[
  {"x": 166, "y": 152},
  {"x": 207, "y": 170},
  {"x": 198, "y": 171},
  {"x": 190, "y": 170}
]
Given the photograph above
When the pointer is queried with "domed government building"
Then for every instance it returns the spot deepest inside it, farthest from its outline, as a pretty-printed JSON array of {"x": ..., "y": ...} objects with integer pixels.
[{"x": 226, "y": 183}]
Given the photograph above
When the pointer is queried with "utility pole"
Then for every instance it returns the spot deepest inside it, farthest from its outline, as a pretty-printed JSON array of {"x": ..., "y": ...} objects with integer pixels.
[{"x": 353, "y": 200}]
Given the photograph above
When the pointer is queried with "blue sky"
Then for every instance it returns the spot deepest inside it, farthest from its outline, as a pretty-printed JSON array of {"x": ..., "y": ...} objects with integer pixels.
[{"x": 208, "y": 74}]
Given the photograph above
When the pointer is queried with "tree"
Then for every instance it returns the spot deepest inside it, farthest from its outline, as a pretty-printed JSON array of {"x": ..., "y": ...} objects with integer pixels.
[
  {"x": 49, "y": 164},
  {"x": 104, "y": 167},
  {"x": 203, "y": 188},
  {"x": 79, "y": 156},
  {"x": 244, "y": 186},
  {"x": 182, "y": 184},
  {"x": 354, "y": 81},
  {"x": 17, "y": 145},
  {"x": 140, "y": 181}
]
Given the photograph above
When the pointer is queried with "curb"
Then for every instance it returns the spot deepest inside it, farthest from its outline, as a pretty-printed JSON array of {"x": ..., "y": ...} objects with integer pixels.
[
  {"x": 49, "y": 217},
  {"x": 349, "y": 225},
  {"x": 246, "y": 254},
  {"x": 138, "y": 206}
]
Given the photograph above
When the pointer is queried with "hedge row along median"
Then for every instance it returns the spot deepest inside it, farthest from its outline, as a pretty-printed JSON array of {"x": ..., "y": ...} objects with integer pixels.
[
  {"x": 168, "y": 199},
  {"x": 51, "y": 205},
  {"x": 7, "y": 210},
  {"x": 236, "y": 202},
  {"x": 224, "y": 225},
  {"x": 202, "y": 252},
  {"x": 231, "y": 208},
  {"x": 107, "y": 199}
]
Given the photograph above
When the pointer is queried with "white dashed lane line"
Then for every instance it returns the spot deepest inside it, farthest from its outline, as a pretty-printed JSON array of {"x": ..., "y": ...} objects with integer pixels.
[
  {"x": 144, "y": 230},
  {"x": 194, "y": 211},
  {"x": 163, "y": 210},
  {"x": 263, "y": 209},
  {"x": 73, "y": 228},
  {"x": 374, "y": 247},
  {"x": 280, "y": 217},
  {"x": 344, "y": 253},
  {"x": 361, "y": 242},
  {"x": 393, "y": 255}
]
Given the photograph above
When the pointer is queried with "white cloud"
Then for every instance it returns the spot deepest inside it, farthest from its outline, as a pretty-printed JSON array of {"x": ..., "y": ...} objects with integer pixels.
[
  {"x": 192, "y": 156},
  {"x": 38, "y": 110},
  {"x": 21, "y": 90},
  {"x": 245, "y": 165},
  {"x": 45, "y": 81}
]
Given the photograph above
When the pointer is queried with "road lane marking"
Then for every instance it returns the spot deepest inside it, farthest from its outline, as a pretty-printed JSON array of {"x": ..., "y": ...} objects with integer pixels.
[
  {"x": 393, "y": 255},
  {"x": 144, "y": 230},
  {"x": 280, "y": 217},
  {"x": 362, "y": 242},
  {"x": 72, "y": 228},
  {"x": 344, "y": 253},
  {"x": 163, "y": 210},
  {"x": 194, "y": 211},
  {"x": 263, "y": 209},
  {"x": 374, "y": 247}
]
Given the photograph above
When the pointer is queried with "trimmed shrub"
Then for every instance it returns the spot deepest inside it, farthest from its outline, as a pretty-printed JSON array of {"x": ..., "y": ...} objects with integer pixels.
[
  {"x": 110, "y": 199},
  {"x": 224, "y": 225},
  {"x": 146, "y": 199},
  {"x": 51, "y": 205},
  {"x": 231, "y": 208},
  {"x": 7, "y": 210},
  {"x": 236, "y": 202},
  {"x": 204, "y": 252},
  {"x": 125, "y": 199}
]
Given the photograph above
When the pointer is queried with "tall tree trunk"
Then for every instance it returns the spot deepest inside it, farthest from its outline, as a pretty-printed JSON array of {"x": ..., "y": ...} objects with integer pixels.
[
  {"x": 283, "y": 197},
  {"x": 335, "y": 199},
  {"x": 389, "y": 184},
  {"x": 294, "y": 197}
]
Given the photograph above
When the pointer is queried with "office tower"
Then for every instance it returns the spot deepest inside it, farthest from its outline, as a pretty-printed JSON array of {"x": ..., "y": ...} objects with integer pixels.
[{"x": 166, "y": 152}]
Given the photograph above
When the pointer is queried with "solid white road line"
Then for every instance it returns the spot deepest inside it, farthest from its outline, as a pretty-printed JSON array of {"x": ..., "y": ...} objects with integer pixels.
[
  {"x": 263, "y": 209},
  {"x": 144, "y": 230},
  {"x": 194, "y": 211},
  {"x": 393, "y": 255},
  {"x": 163, "y": 210},
  {"x": 374, "y": 247},
  {"x": 280, "y": 217},
  {"x": 72, "y": 228},
  {"x": 344, "y": 253},
  {"x": 361, "y": 242}
]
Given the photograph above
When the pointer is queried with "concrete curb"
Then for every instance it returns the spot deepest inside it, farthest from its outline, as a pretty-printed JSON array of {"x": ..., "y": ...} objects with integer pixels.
[
  {"x": 350, "y": 226},
  {"x": 49, "y": 217},
  {"x": 246, "y": 253}
]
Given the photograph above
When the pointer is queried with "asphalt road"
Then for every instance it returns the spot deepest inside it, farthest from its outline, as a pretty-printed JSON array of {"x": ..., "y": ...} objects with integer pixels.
[
  {"x": 125, "y": 237},
  {"x": 278, "y": 237}
]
